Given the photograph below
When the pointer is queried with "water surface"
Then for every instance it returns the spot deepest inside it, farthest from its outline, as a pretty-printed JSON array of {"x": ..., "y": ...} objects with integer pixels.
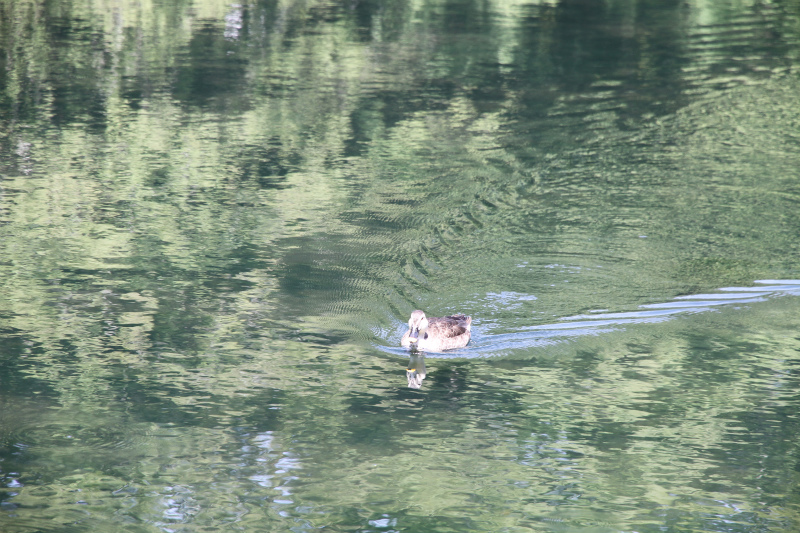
[{"x": 216, "y": 217}]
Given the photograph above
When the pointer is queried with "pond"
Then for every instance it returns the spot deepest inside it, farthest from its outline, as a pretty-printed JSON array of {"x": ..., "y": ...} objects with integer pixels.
[{"x": 216, "y": 218}]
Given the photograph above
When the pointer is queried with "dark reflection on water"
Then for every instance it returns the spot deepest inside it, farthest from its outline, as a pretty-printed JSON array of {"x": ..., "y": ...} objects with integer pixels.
[{"x": 214, "y": 217}]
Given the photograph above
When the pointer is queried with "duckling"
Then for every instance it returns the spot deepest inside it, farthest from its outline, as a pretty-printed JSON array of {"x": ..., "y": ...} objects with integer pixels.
[{"x": 437, "y": 334}]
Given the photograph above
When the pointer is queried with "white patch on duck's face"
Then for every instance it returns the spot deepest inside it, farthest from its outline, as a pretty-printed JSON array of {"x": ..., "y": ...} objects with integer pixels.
[{"x": 417, "y": 325}]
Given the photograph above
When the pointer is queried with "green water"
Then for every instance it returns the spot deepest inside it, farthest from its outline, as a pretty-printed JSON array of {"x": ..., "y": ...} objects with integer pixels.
[{"x": 216, "y": 218}]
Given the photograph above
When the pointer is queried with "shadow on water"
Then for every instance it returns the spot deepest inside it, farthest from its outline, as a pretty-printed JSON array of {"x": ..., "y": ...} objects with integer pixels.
[{"x": 594, "y": 323}]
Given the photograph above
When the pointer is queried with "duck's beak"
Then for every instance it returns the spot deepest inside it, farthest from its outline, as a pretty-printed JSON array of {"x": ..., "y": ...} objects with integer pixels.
[{"x": 413, "y": 336}]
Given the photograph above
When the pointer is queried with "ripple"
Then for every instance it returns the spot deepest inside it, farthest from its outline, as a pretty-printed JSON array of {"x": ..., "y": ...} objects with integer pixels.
[{"x": 485, "y": 344}]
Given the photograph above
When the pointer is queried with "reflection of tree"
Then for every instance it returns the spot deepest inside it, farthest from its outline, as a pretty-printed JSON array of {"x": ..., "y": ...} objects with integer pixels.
[
  {"x": 264, "y": 132},
  {"x": 333, "y": 109},
  {"x": 202, "y": 202}
]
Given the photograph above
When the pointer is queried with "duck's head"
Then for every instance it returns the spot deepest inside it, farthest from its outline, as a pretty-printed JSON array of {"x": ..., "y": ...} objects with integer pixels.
[{"x": 417, "y": 325}]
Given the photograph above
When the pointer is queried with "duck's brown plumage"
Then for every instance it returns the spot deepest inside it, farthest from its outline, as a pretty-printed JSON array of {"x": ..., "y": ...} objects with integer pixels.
[{"x": 436, "y": 334}]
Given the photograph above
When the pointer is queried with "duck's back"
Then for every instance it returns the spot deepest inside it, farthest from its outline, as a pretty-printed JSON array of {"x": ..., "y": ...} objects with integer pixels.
[
  {"x": 447, "y": 332},
  {"x": 450, "y": 326}
]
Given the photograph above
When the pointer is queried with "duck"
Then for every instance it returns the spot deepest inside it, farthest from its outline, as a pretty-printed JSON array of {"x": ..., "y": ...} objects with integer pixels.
[{"x": 436, "y": 334}]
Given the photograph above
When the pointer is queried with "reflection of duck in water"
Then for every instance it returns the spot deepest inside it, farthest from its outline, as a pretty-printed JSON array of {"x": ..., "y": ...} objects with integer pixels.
[
  {"x": 436, "y": 334},
  {"x": 416, "y": 370}
]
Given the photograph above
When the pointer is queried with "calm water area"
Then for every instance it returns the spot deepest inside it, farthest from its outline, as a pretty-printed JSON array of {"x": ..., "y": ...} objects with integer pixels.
[{"x": 216, "y": 217}]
